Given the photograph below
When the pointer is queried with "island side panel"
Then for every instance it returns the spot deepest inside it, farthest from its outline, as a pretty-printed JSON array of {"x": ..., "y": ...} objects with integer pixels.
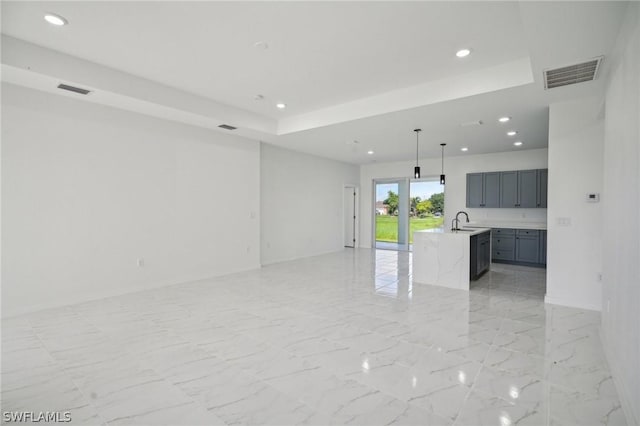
[{"x": 441, "y": 259}]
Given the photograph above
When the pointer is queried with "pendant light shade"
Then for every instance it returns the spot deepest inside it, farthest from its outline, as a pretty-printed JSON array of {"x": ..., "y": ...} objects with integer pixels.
[
  {"x": 442, "y": 172},
  {"x": 416, "y": 169}
]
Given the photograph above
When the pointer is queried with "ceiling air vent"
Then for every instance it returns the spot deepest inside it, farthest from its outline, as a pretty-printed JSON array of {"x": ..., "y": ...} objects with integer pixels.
[
  {"x": 572, "y": 74},
  {"x": 227, "y": 127},
  {"x": 74, "y": 89}
]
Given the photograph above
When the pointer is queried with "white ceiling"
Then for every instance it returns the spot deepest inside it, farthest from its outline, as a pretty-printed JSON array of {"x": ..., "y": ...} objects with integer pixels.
[{"x": 331, "y": 61}]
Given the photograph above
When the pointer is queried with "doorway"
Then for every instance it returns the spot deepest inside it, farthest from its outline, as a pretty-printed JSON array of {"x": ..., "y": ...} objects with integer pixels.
[{"x": 350, "y": 215}]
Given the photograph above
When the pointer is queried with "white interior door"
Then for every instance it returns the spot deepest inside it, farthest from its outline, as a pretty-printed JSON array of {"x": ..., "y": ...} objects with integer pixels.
[{"x": 349, "y": 216}]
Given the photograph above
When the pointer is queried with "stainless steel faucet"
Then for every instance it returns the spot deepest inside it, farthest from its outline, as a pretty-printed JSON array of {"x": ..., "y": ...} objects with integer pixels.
[{"x": 455, "y": 223}]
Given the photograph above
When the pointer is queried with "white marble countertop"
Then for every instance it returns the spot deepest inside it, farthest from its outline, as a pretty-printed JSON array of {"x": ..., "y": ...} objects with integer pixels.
[
  {"x": 507, "y": 224},
  {"x": 469, "y": 232}
]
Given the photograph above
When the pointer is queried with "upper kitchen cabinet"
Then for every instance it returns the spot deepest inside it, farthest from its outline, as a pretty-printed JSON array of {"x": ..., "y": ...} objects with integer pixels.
[
  {"x": 483, "y": 190},
  {"x": 542, "y": 188},
  {"x": 528, "y": 188},
  {"x": 519, "y": 189},
  {"x": 510, "y": 189}
]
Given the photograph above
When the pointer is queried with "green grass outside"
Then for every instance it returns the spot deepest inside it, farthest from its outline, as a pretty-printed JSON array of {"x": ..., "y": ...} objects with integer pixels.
[{"x": 387, "y": 227}]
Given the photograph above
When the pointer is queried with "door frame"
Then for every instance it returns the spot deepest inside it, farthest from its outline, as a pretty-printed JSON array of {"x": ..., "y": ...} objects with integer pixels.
[{"x": 356, "y": 213}]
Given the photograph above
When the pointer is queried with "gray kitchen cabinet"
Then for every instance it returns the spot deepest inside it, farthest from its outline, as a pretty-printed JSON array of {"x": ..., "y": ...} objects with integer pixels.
[
  {"x": 509, "y": 189},
  {"x": 527, "y": 246},
  {"x": 483, "y": 190},
  {"x": 480, "y": 259},
  {"x": 543, "y": 178},
  {"x": 503, "y": 242},
  {"x": 527, "y": 188},
  {"x": 519, "y": 188},
  {"x": 543, "y": 248},
  {"x": 519, "y": 246},
  {"x": 491, "y": 189},
  {"x": 475, "y": 197}
]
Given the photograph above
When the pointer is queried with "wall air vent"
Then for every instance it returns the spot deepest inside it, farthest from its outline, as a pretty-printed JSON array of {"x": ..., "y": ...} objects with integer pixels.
[
  {"x": 74, "y": 89},
  {"x": 227, "y": 127},
  {"x": 572, "y": 74}
]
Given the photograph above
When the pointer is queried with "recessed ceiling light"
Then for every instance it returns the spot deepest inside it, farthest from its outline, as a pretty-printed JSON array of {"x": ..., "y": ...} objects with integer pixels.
[
  {"x": 54, "y": 19},
  {"x": 281, "y": 106},
  {"x": 370, "y": 152},
  {"x": 512, "y": 133},
  {"x": 504, "y": 119},
  {"x": 465, "y": 149},
  {"x": 262, "y": 45},
  {"x": 463, "y": 53},
  {"x": 518, "y": 143}
]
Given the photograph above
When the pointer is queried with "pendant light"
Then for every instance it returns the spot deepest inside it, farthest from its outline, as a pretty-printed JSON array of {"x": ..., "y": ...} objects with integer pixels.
[
  {"x": 442, "y": 172},
  {"x": 416, "y": 169}
]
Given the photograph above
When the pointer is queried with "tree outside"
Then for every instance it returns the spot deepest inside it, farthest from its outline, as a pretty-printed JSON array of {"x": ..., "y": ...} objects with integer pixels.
[
  {"x": 437, "y": 203},
  {"x": 392, "y": 202},
  {"x": 423, "y": 214}
]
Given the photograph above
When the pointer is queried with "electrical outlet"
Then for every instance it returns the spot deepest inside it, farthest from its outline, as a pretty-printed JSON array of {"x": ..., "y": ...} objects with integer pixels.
[
  {"x": 564, "y": 221},
  {"x": 599, "y": 276},
  {"x": 140, "y": 262}
]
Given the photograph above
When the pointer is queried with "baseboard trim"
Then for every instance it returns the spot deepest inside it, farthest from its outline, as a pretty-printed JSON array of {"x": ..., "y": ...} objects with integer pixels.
[
  {"x": 571, "y": 303},
  {"x": 632, "y": 417}
]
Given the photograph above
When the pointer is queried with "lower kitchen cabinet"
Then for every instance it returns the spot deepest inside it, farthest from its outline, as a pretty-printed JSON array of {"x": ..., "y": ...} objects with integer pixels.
[
  {"x": 527, "y": 246},
  {"x": 543, "y": 248},
  {"x": 480, "y": 259},
  {"x": 519, "y": 246}
]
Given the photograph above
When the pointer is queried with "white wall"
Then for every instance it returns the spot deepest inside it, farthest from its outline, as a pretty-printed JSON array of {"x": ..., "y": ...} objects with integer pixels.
[
  {"x": 87, "y": 190},
  {"x": 621, "y": 261},
  {"x": 574, "y": 250},
  {"x": 456, "y": 169},
  {"x": 301, "y": 203}
]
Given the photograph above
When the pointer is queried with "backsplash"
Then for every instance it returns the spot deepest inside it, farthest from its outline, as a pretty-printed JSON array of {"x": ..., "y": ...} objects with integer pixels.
[{"x": 511, "y": 215}]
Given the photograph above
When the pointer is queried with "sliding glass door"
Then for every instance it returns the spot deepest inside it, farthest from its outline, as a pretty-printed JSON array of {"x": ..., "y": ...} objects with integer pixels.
[
  {"x": 426, "y": 200},
  {"x": 402, "y": 206},
  {"x": 391, "y": 220}
]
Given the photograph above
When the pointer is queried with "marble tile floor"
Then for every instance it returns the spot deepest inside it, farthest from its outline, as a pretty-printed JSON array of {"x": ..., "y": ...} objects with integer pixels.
[{"x": 344, "y": 338}]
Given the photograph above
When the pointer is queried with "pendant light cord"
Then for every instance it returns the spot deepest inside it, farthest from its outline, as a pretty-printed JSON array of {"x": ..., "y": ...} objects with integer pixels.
[{"x": 417, "y": 164}]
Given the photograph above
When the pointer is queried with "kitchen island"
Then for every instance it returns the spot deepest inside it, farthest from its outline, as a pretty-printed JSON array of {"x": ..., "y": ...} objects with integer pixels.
[{"x": 451, "y": 258}]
